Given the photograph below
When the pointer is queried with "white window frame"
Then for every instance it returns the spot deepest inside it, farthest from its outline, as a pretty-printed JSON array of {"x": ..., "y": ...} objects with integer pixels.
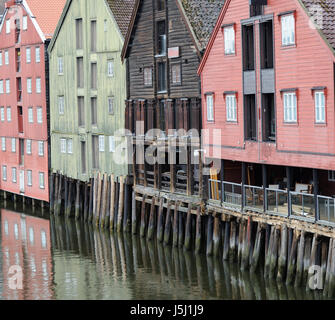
[
  {"x": 24, "y": 22},
  {"x": 38, "y": 85},
  {"x": 6, "y": 57},
  {"x": 29, "y": 146},
  {"x": 3, "y": 144},
  {"x": 1, "y": 87},
  {"x": 30, "y": 115},
  {"x": 210, "y": 107},
  {"x": 29, "y": 85},
  {"x": 41, "y": 148},
  {"x": 14, "y": 175},
  {"x": 231, "y": 108},
  {"x": 2, "y": 114},
  {"x": 8, "y": 26},
  {"x": 37, "y": 54},
  {"x": 110, "y": 68},
  {"x": 4, "y": 173},
  {"x": 63, "y": 145},
  {"x": 61, "y": 104},
  {"x": 60, "y": 62},
  {"x": 290, "y": 107},
  {"x": 41, "y": 179},
  {"x": 28, "y": 55},
  {"x": 320, "y": 106},
  {"x": 39, "y": 115},
  {"x": 101, "y": 143},
  {"x": 9, "y": 114},
  {"x": 287, "y": 24},
  {"x": 8, "y": 86},
  {"x": 229, "y": 40},
  {"x": 69, "y": 146},
  {"x": 112, "y": 144},
  {"x": 29, "y": 178},
  {"x": 13, "y": 145},
  {"x": 0, "y": 58}
]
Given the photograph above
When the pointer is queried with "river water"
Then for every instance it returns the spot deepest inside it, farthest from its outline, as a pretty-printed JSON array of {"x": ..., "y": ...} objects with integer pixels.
[{"x": 66, "y": 259}]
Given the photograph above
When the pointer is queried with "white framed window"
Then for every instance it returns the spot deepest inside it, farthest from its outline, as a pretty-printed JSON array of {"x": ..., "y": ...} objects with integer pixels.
[
  {"x": 39, "y": 114},
  {"x": 60, "y": 65},
  {"x": 28, "y": 146},
  {"x": 290, "y": 107},
  {"x": 111, "y": 144},
  {"x": 30, "y": 115},
  {"x": 63, "y": 145},
  {"x": 111, "y": 105},
  {"x": 41, "y": 148},
  {"x": 1, "y": 87},
  {"x": 147, "y": 76},
  {"x": 231, "y": 107},
  {"x": 101, "y": 143},
  {"x": 0, "y": 58},
  {"x": 29, "y": 85},
  {"x": 14, "y": 177},
  {"x": 229, "y": 40},
  {"x": 4, "y": 173},
  {"x": 7, "y": 86},
  {"x": 38, "y": 85},
  {"x": 288, "y": 30},
  {"x": 13, "y": 145},
  {"x": 69, "y": 146},
  {"x": 8, "y": 26},
  {"x": 105, "y": 25},
  {"x": 110, "y": 68},
  {"x": 61, "y": 104},
  {"x": 9, "y": 114},
  {"x": 24, "y": 22},
  {"x": 41, "y": 180},
  {"x": 6, "y": 57},
  {"x": 331, "y": 175},
  {"x": 210, "y": 107},
  {"x": 28, "y": 55},
  {"x": 320, "y": 106},
  {"x": 2, "y": 112},
  {"x": 3, "y": 143},
  {"x": 29, "y": 178},
  {"x": 37, "y": 54}
]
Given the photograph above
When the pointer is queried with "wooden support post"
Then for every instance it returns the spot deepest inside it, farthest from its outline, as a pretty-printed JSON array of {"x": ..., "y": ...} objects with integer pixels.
[
  {"x": 274, "y": 254},
  {"x": 90, "y": 209},
  {"x": 292, "y": 258},
  {"x": 151, "y": 225},
  {"x": 232, "y": 242},
  {"x": 116, "y": 202},
  {"x": 257, "y": 249},
  {"x": 300, "y": 260},
  {"x": 313, "y": 260},
  {"x": 240, "y": 240},
  {"x": 167, "y": 229},
  {"x": 172, "y": 162},
  {"x": 209, "y": 246},
  {"x": 175, "y": 226},
  {"x": 59, "y": 197},
  {"x": 134, "y": 165},
  {"x": 216, "y": 236},
  {"x": 289, "y": 186},
  {"x": 329, "y": 260},
  {"x": 247, "y": 245},
  {"x": 201, "y": 177},
  {"x": 95, "y": 195},
  {"x": 244, "y": 168},
  {"x": 66, "y": 194},
  {"x": 99, "y": 196},
  {"x": 307, "y": 256},
  {"x": 127, "y": 207},
  {"x": 143, "y": 218},
  {"x": 121, "y": 205},
  {"x": 188, "y": 234},
  {"x": 69, "y": 198},
  {"x": 103, "y": 200},
  {"x": 160, "y": 222},
  {"x": 108, "y": 203},
  {"x": 86, "y": 201},
  {"x": 331, "y": 281},
  {"x": 112, "y": 204},
  {"x": 268, "y": 253},
  {"x": 198, "y": 232},
  {"x": 282, "y": 261},
  {"x": 77, "y": 205},
  {"x": 189, "y": 169},
  {"x": 181, "y": 229},
  {"x": 134, "y": 214},
  {"x": 51, "y": 192},
  {"x": 226, "y": 241},
  {"x": 55, "y": 195}
]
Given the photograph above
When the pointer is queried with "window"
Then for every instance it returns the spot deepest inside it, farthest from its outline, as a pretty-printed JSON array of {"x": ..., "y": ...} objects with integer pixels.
[
  {"x": 30, "y": 115},
  {"x": 41, "y": 148},
  {"x": 24, "y": 22},
  {"x": 14, "y": 178},
  {"x": 111, "y": 144},
  {"x": 79, "y": 34},
  {"x": 290, "y": 107},
  {"x": 6, "y": 57},
  {"x": 288, "y": 30},
  {"x": 4, "y": 173},
  {"x": 8, "y": 26},
  {"x": 320, "y": 107},
  {"x": 29, "y": 178},
  {"x": 60, "y": 65},
  {"x": 210, "y": 107},
  {"x": 248, "y": 48},
  {"x": 161, "y": 38},
  {"x": 9, "y": 114},
  {"x": 93, "y": 36},
  {"x": 331, "y": 175},
  {"x": 105, "y": 26},
  {"x": 3, "y": 143},
  {"x": 69, "y": 146},
  {"x": 41, "y": 180},
  {"x": 81, "y": 112},
  {"x": 29, "y": 85},
  {"x": 2, "y": 111},
  {"x": 83, "y": 156},
  {"x": 266, "y": 44},
  {"x": 0, "y": 58},
  {"x": 39, "y": 115},
  {"x": 80, "y": 73},
  {"x": 101, "y": 143},
  {"x": 231, "y": 107},
  {"x": 37, "y": 54},
  {"x": 61, "y": 104},
  {"x": 110, "y": 105},
  {"x": 63, "y": 145},
  {"x": 110, "y": 68},
  {"x": 94, "y": 118},
  {"x": 1, "y": 87},
  {"x": 160, "y": 5},
  {"x": 95, "y": 152},
  {"x": 229, "y": 40},
  {"x": 162, "y": 76},
  {"x": 28, "y": 55},
  {"x": 7, "y": 86},
  {"x": 13, "y": 145},
  {"x": 148, "y": 77},
  {"x": 93, "y": 76},
  {"x": 28, "y": 145},
  {"x": 38, "y": 85},
  {"x": 176, "y": 73}
]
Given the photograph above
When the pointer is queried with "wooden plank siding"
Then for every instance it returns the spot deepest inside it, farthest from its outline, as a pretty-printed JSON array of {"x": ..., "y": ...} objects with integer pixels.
[
  {"x": 308, "y": 64},
  {"x": 109, "y": 43}
]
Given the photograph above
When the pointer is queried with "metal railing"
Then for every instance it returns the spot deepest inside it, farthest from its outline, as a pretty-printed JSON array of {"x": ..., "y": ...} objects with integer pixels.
[
  {"x": 326, "y": 207},
  {"x": 276, "y": 201},
  {"x": 254, "y": 197},
  {"x": 232, "y": 193},
  {"x": 302, "y": 205}
]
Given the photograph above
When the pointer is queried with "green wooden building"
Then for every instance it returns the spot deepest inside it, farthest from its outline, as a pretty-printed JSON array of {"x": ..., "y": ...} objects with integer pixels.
[{"x": 88, "y": 88}]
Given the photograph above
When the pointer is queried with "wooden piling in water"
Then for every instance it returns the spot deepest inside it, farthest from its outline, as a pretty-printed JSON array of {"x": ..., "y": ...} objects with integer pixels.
[
  {"x": 268, "y": 252},
  {"x": 292, "y": 258},
  {"x": 99, "y": 196},
  {"x": 198, "y": 229},
  {"x": 103, "y": 200},
  {"x": 188, "y": 233},
  {"x": 51, "y": 193},
  {"x": 329, "y": 259},
  {"x": 127, "y": 207},
  {"x": 160, "y": 221},
  {"x": 133, "y": 214},
  {"x": 257, "y": 249},
  {"x": 112, "y": 204},
  {"x": 116, "y": 202},
  {"x": 247, "y": 245},
  {"x": 331, "y": 280},
  {"x": 86, "y": 202},
  {"x": 143, "y": 218},
  {"x": 274, "y": 254},
  {"x": 209, "y": 242},
  {"x": 232, "y": 242},
  {"x": 225, "y": 254},
  {"x": 282, "y": 260},
  {"x": 77, "y": 204},
  {"x": 175, "y": 226},
  {"x": 307, "y": 256},
  {"x": 59, "y": 196},
  {"x": 216, "y": 236},
  {"x": 55, "y": 196},
  {"x": 121, "y": 205},
  {"x": 69, "y": 198},
  {"x": 240, "y": 240},
  {"x": 167, "y": 228},
  {"x": 181, "y": 229},
  {"x": 151, "y": 224},
  {"x": 90, "y": 208},
  {"x": 300, "y": 260}
]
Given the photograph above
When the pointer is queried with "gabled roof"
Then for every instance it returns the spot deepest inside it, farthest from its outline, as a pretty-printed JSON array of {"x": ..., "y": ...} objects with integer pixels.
[
  {"x": 328, "y": 23},
  {"x": 200, "y": 17},
  {"x": 120, "y": 11}
]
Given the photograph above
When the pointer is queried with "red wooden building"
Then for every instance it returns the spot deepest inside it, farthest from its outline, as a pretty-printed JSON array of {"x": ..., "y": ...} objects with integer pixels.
[
  {"x": 25, "y": 32},
  {"x": 268, "y": 85}
]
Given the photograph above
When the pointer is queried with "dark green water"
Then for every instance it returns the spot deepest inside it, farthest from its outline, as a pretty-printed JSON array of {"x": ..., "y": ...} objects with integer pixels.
[{"x": 65, "y": 259}]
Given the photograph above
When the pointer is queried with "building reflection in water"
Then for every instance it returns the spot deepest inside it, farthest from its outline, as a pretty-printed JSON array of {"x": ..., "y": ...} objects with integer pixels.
[{"x": 77, "y": 261}]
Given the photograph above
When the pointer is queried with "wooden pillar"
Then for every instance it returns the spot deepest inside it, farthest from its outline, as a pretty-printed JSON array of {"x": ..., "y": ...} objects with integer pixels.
[
  {"x": 116, "y": 203},
  {"x": 198, "y": 232},
  {"x": 232, "y": 242},
  {"x": 59, "y": 198},
  {"x": 160, "y": 221},
  {"x": 127, "y": 207},
  {"x": 216, "y": 236},
  {"x": 133, "y": 214},
  {"x": 226, "y": 241},
  {"x": 112, "y": 204},
  {"x": 104, "y": 200},
  {"x": 167, "y": 229},
  {"x": 121, "y": 205},
  {"x": 257, "y": 249},
  {"x": 143, "y": 218},
  {"x": 282, "y": 261},
  {"x": 181, "y": 229},
  {"x": 51, "y": 192},
  {"x": 209, "y": 247},
  {"x": 300, "y": 260},
  {"x": 86, "y": 201},
  {"x": 99, "y": 196},
  {"x": 189, "y": 169},
  {"x": 90, "y": 209},
  {"x": 77, "y": 205},
  {"x": 151, "y": 225},
  {"x": 292, "y": 258},
  {"x": 316, "y": 192},
  {"x": 175, "y": 226},
  {"x": 201, "y": 179},
  {"x": 188, "y": 233},
  {"x": 55, "y": 195},
  {"x": 135, "y": 174}
]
